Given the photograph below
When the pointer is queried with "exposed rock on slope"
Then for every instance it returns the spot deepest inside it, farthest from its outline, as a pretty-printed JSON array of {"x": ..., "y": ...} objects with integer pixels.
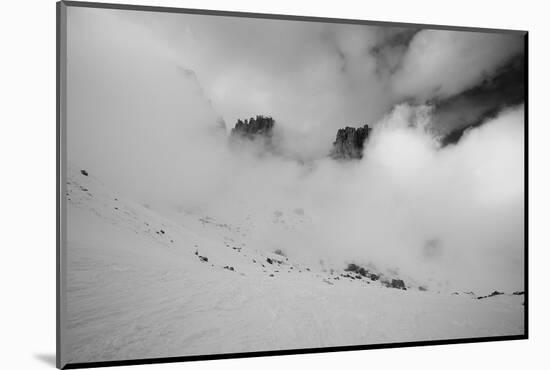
[{"x": 349, "y": 143}]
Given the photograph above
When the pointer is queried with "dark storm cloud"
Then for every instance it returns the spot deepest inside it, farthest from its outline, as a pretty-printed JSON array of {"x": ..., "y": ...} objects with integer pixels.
[
  {"x": 473, "y": 107},
  {"x": 440, "y": 64}
]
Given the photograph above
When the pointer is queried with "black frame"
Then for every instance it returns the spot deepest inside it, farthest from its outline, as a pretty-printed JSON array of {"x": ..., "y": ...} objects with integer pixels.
[{"x": 61, "y": 166}]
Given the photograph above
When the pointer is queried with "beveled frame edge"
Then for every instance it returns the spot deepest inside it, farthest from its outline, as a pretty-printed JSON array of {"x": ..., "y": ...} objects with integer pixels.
[
  {"x": 61, "y": 219},
  {"x": 61, "y": 183},
  {"x": 225, "y": 13}
]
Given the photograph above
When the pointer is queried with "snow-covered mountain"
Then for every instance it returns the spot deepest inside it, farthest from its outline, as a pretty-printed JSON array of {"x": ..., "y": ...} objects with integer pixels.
[{"x": 145, "y": 284}]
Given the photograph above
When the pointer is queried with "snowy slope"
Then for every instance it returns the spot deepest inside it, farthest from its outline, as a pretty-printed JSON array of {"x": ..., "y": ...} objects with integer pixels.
[{"x": 139, "y": 286}]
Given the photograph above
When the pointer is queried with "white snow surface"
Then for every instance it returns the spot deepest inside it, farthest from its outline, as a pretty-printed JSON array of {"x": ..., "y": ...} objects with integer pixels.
[{"x": 136, "y": 288}]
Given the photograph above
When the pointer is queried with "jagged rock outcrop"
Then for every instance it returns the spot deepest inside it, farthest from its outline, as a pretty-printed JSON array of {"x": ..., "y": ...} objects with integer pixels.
[
  {"x": 261, "y": 126},
  {"x": 349, "y": 143}
]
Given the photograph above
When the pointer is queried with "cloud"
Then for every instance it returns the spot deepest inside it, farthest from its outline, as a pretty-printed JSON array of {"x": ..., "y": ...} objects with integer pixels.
[
  {"x": 469, "y": 197},
  {"x": 315, "y": 78},
  {"x": 440, "y": 64},
  {"x": 405, "y": 198}
]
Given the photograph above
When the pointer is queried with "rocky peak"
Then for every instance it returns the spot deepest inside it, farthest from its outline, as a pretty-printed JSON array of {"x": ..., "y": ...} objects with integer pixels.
[
  {"x": 349, "y": 143},
  {"x": 261, "y": 126}
]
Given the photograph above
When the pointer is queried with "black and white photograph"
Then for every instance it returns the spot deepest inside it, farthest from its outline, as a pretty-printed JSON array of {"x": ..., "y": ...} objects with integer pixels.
[{"x": 239, "y": 184}]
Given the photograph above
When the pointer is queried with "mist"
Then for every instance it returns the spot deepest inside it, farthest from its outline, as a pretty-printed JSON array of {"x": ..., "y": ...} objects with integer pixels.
[{"x": 151, "y": 122}]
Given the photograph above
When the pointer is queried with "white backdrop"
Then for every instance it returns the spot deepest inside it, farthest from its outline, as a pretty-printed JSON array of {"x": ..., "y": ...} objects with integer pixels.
[{"x": 27, "y": 155}]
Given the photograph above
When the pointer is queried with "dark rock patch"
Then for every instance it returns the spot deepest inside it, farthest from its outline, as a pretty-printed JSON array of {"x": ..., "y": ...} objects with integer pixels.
[
  {"x": 203, "y": 259},
  {"x": 493, "y": 294},
  {"x": 352, "y": 267},
  {"x": 398, "y": 284}
]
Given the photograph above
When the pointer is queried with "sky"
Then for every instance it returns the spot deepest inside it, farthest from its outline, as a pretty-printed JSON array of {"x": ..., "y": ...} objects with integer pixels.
[{"x": 439, "y": 192}]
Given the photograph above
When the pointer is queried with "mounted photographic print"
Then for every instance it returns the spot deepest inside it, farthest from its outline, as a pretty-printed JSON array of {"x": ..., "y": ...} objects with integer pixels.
[{"x": 236, "y": 185}]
